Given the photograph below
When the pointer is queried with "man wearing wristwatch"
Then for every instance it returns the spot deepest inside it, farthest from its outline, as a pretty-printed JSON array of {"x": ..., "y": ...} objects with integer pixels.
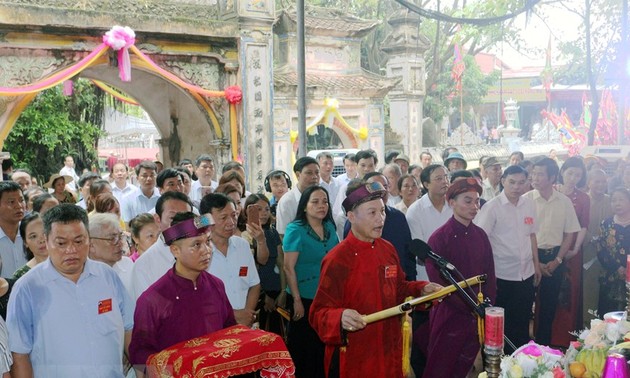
[{"x": 557, "y": 228}]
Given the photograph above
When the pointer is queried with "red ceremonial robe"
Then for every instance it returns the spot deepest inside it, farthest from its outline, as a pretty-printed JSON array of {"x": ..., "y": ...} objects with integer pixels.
[{"x": 366, "y": 277}]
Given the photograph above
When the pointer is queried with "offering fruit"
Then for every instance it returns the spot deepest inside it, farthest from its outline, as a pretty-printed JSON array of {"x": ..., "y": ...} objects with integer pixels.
[{"x": 577, "y": 369}]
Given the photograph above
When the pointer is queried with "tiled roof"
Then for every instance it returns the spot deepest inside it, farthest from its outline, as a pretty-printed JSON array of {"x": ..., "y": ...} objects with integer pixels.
[
  {"x": 330, "y": 19},
  {"x": 361, "y": 80}
]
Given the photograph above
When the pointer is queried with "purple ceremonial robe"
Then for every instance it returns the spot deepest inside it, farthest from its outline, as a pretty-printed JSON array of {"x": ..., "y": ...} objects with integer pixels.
[
  {"x": 175, "y": 309},
  {"x": 453, "y": 339}
]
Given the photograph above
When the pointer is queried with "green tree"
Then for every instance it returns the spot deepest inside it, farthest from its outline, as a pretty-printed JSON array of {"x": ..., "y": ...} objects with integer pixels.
[
  {"x": 443, "y": 35},
  {"x": 475, "y": 86},
  {"x": 54, "y": 125}
]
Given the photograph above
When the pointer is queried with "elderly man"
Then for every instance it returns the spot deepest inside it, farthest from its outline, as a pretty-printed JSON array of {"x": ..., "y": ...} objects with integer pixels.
[
  {"x": 326, "y": 166},
  {"x": 69, "y": 316},
  {"x": 232, "y": 260},
  {"x": 403, "y": 162},
  {"x": 393, "y": 173},
  {"x": 121, "y": 186},
  {"x": 493, "y": 171},
  {"x": 362, "y": 275},
  {"x": 143, "y": 200},
  {"x": 431, "y": 211},
  {"x": 12, "y": 210},
  {"x": 108, "y": 245},
  {"x": 22, "y": 178},
  {"x": 455, "y": 162},
  {"x": 187, "y": 302},
  {"x": 156, "y": 260},
  {"x": 395, "y": 229},
  {"x": 557, "y": 228}
]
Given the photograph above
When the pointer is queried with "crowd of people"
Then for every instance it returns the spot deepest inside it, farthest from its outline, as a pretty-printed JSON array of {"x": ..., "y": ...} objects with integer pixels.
[{"x": 98, "y": 274}]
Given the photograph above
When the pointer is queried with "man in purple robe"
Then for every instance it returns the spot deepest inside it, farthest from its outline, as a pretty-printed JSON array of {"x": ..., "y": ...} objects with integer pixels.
[
  {"x": 453, "y": 338},
  {"x": 187, "y": 302}
]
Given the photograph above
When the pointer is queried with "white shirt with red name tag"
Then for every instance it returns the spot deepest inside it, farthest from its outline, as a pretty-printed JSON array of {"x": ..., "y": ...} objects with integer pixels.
[
  {"x": 236, "y": 269},
  {"x": 509, "y": 229}
]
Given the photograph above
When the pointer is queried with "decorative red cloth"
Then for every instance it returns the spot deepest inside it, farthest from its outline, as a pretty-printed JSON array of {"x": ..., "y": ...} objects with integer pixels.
[{"x": 231, "y": 351}]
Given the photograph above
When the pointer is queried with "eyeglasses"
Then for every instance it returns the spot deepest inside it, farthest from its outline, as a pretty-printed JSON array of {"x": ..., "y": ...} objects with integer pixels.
[{"x": 114, "y": 239}]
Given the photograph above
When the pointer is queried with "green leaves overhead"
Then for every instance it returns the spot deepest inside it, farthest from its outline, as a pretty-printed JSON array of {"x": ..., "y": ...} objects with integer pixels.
[{"x": 54, "y": 125}]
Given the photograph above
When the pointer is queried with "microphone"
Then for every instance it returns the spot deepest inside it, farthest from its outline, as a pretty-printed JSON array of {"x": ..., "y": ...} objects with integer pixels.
[{"x": 421, "y": 250}]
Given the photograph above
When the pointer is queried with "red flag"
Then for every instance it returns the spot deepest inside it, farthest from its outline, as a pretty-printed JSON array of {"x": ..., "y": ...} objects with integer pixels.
[{"x": 458, "y": 67}]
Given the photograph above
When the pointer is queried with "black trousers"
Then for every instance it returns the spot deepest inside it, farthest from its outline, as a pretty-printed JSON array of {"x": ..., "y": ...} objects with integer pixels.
[
  {"x": 306, "y": 348},
  {"x": 548, "y": 293},
  {"x": 517, "y": 298}
]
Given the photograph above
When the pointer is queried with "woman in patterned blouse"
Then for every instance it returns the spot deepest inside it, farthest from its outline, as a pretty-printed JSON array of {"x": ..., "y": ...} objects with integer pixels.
[{"x": 612, "y": 247}]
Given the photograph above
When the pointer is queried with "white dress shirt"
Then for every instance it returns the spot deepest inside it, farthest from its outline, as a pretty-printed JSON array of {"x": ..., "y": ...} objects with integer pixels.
[
  {"x": 11, "y": 254},
  {"x": 509, "y": 228},
  {"x": 124, "y": 269},
  {"x": 137, "y": 203},
  {"x": 236, "y": 269},
  {"x": 331, "y": 187},
  {"x": 121, "y": 193},
  {"x": 423, "y": 219},
  {"x": 287, "y": 209},
  {"x": 74, "y": 184},
  {"x": 150, "y": 266},
  {"x": 195, "y": 190}
]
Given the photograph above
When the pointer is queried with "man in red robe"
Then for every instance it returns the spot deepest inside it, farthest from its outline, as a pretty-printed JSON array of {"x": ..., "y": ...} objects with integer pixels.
[{"x": 362, "y": 275}]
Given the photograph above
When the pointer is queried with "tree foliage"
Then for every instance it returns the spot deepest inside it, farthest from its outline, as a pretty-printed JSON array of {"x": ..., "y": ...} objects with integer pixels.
[
  {"x": 443, "y": 36},
  {"x": 53, "y": 126},
  {"x": 443, "y": 95}
]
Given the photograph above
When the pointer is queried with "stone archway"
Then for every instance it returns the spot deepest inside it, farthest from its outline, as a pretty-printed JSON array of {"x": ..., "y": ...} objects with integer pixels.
[
  {"x": 180, "y": 117},
  {"x": 177, "y": 114},
  {"x": 208, "y": 43}
]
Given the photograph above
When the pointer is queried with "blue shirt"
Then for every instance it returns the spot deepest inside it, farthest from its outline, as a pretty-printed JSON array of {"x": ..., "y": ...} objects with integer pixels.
[
  {"x": 302, "y": 239},
  {"x": 70, "y": 330},
  {"x": 11, "y": 254},
  {"x": 136, "y": 203},
  {"x": 396, "y": 231}
]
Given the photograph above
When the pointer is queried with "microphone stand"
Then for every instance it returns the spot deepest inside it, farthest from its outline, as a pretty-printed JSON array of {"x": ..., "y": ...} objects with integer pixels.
[{"x": 479, "y": 309}]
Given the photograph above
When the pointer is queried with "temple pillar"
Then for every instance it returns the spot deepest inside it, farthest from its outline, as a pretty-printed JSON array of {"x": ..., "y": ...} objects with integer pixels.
[
  {"x": 256, "y": 79},
  {"x": 406, "y": 48}
]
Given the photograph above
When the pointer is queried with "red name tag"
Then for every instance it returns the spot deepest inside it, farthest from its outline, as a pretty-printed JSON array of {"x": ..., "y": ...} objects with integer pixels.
[
  {"x": 529, "y": 220},
  {"x": 242, "y": 272},
  {"x": 391, "y": 271},
  {"x": 104, "y": 306}
]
